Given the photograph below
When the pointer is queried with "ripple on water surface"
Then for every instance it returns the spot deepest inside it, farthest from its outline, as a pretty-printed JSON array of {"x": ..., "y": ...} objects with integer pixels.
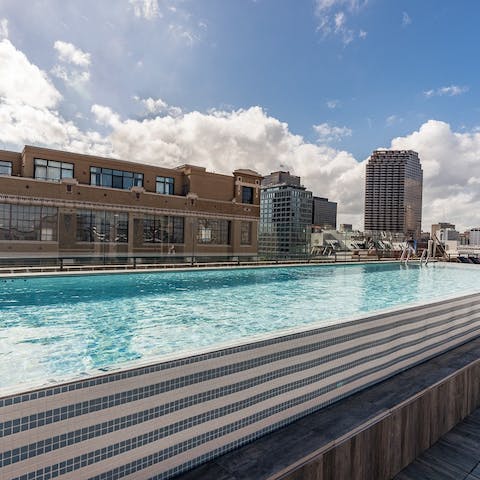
[{"x": 53, "y": 327}]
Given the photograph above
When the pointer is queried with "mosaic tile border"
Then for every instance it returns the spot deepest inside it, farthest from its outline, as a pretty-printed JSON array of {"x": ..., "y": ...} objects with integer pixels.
[
  {"x": 90, "y": 458},
  {"x": 93, "y": 431},
  {"x": 150, "y": 460},
  {"x": 82, "y": 408},
  {"x": 425, "y": 331}
]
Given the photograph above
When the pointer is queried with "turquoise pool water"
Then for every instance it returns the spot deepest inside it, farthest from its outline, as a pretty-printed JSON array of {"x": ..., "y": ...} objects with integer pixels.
[{"x": 56, "y": 327}]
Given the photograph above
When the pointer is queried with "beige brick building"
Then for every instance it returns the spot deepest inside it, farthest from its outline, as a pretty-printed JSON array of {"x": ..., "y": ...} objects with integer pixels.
[{"x": 60, "y": 203}]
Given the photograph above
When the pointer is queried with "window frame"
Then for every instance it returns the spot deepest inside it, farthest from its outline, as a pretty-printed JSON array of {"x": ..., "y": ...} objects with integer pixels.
[
  {"x": 8, "y": 165},
  {"x": 170, "y": 227},
  {"x": 28, "y": 223},
  {"x": 213, "y": 231},
  {"x": 50, "y": 166},
  {"x": 167, "y": 184},
  {"x": 110, "y": 178},
  {"x": 250, "y": 198},
  {"x": 100, "y": 225},
  {"x": 249, "y": 234}
]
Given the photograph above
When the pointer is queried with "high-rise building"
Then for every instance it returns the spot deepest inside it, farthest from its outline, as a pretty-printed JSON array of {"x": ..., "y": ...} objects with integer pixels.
[
  {"x": 285, "y": 216},
  {"x": 439, "y": 226},
  {"x": 474, "y": 236},
  {"x": 324, "y": 213},
  {"x": 393, "y": 193}
]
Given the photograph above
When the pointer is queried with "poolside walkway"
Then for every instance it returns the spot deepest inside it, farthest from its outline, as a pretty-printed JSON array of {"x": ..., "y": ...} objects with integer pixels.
[{"x": 456, "y": 456}]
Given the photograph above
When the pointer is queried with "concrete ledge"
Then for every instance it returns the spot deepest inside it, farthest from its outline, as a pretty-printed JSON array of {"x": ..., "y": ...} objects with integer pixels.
[{"x": 371, "y": 435}]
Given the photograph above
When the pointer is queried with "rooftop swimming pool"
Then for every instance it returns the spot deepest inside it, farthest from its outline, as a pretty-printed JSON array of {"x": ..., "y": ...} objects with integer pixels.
[{"x": 59, "y": 327}]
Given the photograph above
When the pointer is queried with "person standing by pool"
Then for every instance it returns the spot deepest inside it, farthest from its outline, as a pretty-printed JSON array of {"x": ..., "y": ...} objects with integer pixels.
[{"x": 410, "y": 248}]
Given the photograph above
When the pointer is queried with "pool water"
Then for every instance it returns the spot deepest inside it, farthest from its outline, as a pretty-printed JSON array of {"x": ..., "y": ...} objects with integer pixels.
[{"x": 59, "y": 327}]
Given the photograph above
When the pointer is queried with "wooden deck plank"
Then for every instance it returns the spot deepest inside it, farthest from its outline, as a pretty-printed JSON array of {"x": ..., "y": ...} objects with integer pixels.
[{"x": 456, "y": 455}]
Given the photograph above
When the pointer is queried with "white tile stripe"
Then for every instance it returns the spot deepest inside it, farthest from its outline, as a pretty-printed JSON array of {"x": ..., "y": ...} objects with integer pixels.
[{"x": 150, "y": 446}]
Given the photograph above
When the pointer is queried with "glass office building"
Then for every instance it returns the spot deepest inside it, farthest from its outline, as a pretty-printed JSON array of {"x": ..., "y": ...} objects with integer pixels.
[{"x": 285, "y": 217}]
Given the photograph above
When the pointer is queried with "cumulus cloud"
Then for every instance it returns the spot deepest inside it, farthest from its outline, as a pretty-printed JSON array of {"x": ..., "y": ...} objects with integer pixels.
[
  {"x": 332, "y": 17},
  {"x": 158, "y": 106},
  {"x": 451, "y": 168},
  {"x": 73, "y": 68},
  {"x": 69, "y": 53},
  {"x": 223, "y": 140},
  {"x": 27, "y": 124},
  {"x": 327, "y": 133},
  {"x": 28, "y": 108},
  {"x": 450, "y": 91},
  {"x": 22, "y": 82},
  {"x": 74, "y": 78},
  {"x": 3, "y": 28}
]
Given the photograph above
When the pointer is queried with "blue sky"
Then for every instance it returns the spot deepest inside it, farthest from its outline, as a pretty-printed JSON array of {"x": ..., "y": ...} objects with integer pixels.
[{"x": 309, "y": 85}]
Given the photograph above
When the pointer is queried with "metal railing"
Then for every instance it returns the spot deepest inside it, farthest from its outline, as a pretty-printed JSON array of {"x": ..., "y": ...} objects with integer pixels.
[{"x": 119, "y": 261}]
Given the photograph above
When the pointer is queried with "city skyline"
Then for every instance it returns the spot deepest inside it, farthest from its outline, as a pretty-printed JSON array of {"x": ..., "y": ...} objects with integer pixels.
[{"x": 308, "y": 86}]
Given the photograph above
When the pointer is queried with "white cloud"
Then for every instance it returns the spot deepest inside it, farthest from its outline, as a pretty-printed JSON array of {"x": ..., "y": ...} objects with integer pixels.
[
  {"x": 451, "y": 166},
  {"x": 3, "y": 28},
  {"x": 393, "y": 120},
  {"x": 158, "y": 106},
  {"x": 223, "y": 140},
  {"x": 74, "y": 66},
  {"x": 333, "y": 104},
  {"x": 69, "y": 53},
  {"x": 406, "y": 20},
  {"x": 450, "y": 91},
  {"x": 327, "y": 133},
  {"x": 182, "y": 33},
  {"x": 332, "y": 16},
  {"x": 27, "y": 124},
  {"x": 147, "y": 9},
  {"x": 74, "y": 78},
  {"x": 179, "y": 23},
  {"x": 23, "y": 82}
]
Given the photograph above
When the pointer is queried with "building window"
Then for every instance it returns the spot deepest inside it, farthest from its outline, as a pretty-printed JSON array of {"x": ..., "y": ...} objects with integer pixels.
[
  {"x": 165, "y": 185},
  {"x": 163, "y": 229},
  {"x": 106, "y": 177},
  {"x": 5, "y": 168},
  {"x": 213, "y": 232},
  {"x": 52, "y": 170},
  {"x": 247, "y": 194},
  {"x": 28, "y": 222},
  {"x": 102, "y": 226},
  {"x": 246, "y": 233}
]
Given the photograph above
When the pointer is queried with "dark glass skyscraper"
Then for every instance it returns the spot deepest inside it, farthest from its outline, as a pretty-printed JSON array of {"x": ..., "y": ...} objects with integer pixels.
[
  {"x": 393, "y": 193},
  {"x": 324, "y": 213},
  {"x": 285, "y": 216}
]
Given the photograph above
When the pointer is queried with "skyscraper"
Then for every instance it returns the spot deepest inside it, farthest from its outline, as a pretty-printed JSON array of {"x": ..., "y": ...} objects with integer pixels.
[
  {"x": 285, "y": 216},
  {"x": 324, "y": 213},
  {"x": 393, "y": 193}
]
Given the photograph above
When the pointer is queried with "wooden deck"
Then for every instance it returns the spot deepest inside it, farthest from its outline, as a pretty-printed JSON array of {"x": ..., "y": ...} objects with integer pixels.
[{"x": 456, "y": 456}]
